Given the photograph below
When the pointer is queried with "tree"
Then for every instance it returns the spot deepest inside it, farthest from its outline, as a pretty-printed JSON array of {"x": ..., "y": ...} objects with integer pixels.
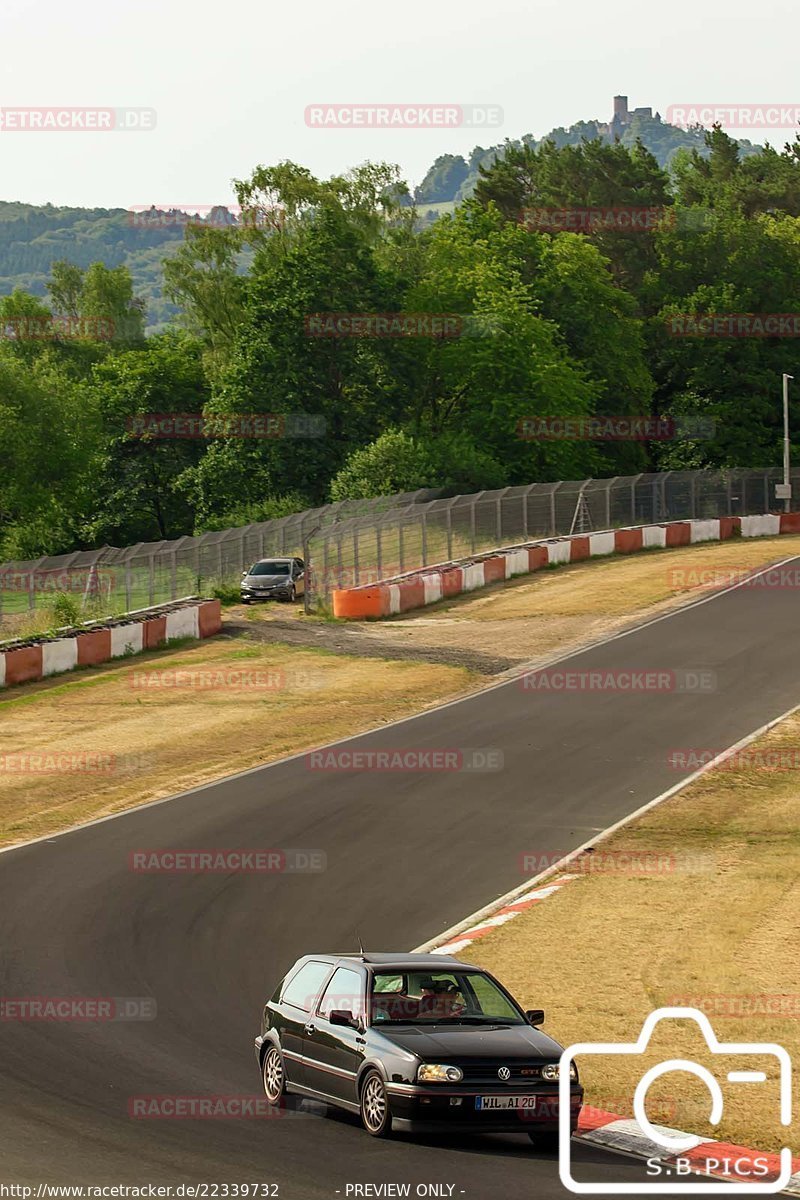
[
  {"x": 594, "y": 175},
  {"x": 397, "y": 462},
  {"x": 49, "y": 435},
  {"x": 321, "y": 260},
  {"x": 138, "y": 493}
]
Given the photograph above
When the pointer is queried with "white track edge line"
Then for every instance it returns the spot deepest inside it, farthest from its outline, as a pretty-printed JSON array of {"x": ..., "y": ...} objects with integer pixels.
[
  {"x": 563, "y": 863},
  {"x": 471, "y": 695}
]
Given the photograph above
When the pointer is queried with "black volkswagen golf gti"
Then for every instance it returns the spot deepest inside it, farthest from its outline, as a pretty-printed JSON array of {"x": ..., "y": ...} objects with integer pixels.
[{"x": 415, "y": 1042}]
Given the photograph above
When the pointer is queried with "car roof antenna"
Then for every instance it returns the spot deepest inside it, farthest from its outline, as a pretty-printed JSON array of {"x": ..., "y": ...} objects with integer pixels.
[{"x": 360, "y": 943}]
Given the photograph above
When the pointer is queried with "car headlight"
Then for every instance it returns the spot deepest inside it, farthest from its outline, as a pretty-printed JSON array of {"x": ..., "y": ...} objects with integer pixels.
[
  {"x": 552, "y": 1074},
  {"x": 439, "y": 1073}
]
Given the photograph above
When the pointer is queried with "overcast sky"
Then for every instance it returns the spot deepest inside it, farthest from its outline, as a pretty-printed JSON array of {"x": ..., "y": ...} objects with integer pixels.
[{"x": 230, "y": 82}]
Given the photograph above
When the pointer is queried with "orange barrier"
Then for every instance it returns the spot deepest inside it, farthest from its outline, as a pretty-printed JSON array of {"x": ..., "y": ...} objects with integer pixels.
[
  {"x": 627, "y": 541},
  {"x": 94, "y": 647},
  {"x": 679, "y": 533},
  {"x": 23, "y": 665}
]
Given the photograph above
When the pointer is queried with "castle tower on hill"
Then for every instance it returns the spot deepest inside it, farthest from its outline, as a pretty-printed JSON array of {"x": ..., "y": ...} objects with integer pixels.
[{"x": 622, "y": 117}]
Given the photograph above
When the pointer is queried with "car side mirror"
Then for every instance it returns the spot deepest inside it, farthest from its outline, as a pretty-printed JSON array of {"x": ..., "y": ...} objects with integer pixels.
[
  {"x": 343, "y": 1016},
  {"x": 535, "y": 1016}
]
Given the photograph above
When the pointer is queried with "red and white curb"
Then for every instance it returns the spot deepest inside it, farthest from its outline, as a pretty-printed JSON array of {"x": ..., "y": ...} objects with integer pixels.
[
  {"x": 502, "y": 916},
  {"x": 711, "y": 1159},
  {"x": 722, "y": 1161}
]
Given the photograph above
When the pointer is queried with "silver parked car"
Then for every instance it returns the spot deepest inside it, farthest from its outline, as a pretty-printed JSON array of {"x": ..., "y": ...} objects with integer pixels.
[{"x": 273, "y": 579}]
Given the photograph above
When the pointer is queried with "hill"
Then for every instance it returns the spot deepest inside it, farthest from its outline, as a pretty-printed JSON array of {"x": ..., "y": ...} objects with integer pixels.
[
  {"x": 32, "y": 237},
  {"x": 453, "y": 177}
]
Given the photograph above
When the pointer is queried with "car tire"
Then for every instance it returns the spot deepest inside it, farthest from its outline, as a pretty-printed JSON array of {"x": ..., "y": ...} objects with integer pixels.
[
  {"x": 273, "y": 1076},
  {"x": 547, "y": 1142},
  {"x": 376, "y": 1115},
  {"x": 293, "y": 594},
  {"x": 245, "y": 601}
]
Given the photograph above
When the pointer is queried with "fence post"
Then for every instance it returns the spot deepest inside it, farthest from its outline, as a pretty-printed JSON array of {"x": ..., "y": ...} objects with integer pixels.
[
  {"x": 500, "y": 499},
  {"x": 553, "y": 491},
  {"x": 152, "y": 566},
  {"x": 611, "y": 483},
  {"x": 356, "y": 570},
  {"x": 128, "y": 585},
  {"x": 400, "y": 541},
  {"x": 693, "y": 494},
  {"x": 450, "y": 530},
  {"x": 174, "y": 574},
  {"x": 525, "y": 500},
  {"x": 424, "y": 519},
  {"x": 634, "y": 483},
  {"x": 472, "y": 523}
]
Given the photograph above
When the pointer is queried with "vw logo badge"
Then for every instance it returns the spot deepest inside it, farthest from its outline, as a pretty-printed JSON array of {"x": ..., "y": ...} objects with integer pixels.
[{"x": 504, "y": 1073}]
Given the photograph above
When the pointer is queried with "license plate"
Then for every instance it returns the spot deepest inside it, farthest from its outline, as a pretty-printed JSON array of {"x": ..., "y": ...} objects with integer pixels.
[{"x": 503, "y": 1103}]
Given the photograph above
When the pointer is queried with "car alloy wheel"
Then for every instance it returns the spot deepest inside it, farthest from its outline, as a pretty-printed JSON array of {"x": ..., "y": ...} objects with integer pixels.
[
  {"x": 375, "y": 1114},
  {"x": 274, "y": 1076}
]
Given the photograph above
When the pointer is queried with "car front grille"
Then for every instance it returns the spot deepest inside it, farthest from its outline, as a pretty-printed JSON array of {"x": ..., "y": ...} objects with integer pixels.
[{"x": 520, "y": 1072}]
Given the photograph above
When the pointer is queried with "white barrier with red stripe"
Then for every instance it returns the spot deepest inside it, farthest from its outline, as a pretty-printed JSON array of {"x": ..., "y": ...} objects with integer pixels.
[
  {"x": 98, "y": 642},
  {"x": 430, "y": 584}
]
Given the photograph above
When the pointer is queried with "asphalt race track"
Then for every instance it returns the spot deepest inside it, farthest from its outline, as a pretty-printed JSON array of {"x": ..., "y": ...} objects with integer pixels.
[{"x": 408, "y": 855}]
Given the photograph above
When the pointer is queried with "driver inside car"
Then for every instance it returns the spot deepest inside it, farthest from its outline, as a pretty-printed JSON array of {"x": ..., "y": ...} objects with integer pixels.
[{"x": 440, "y": 998}]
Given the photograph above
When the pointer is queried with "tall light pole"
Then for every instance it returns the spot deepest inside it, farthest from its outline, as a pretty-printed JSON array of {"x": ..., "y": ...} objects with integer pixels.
[{"x": 787, "y": 490}]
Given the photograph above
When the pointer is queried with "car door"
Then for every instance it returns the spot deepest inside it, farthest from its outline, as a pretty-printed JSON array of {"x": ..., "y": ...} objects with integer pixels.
[
  {"x": 296, "y": 1008},
  {"x": 299, "y": 576},
  {"x": 333, "y": 1053}
]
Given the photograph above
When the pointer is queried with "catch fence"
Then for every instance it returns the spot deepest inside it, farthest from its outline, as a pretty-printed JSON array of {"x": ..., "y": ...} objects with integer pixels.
[
  {"x": 364, "y": 549},
  {"x": 359, "y": 542}
]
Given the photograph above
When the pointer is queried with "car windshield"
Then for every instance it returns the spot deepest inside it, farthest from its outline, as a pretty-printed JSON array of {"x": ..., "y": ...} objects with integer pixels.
[
  {"x": 269, "y": 568},
  {"x": 454, "y": 997}
]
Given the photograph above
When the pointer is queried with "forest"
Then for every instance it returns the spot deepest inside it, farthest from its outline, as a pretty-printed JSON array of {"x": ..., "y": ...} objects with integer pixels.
[{"x": 327, "y": 346}]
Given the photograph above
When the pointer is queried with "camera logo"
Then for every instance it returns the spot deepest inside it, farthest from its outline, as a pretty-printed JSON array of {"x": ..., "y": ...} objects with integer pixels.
[{"x": 667, "y": 1140}]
